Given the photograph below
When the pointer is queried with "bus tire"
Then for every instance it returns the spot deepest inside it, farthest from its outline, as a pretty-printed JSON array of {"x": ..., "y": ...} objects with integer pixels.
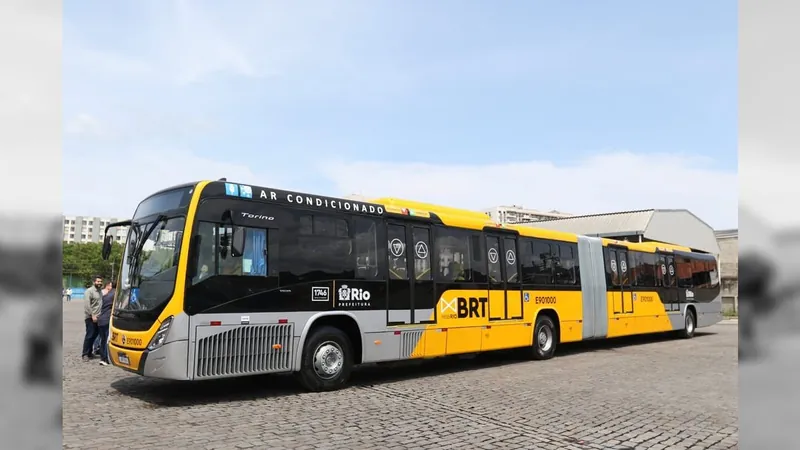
[
  {"x": 544, "y": 338},
  {"x": 689, "y": 324},
  {"x": 327, "y": 360}
]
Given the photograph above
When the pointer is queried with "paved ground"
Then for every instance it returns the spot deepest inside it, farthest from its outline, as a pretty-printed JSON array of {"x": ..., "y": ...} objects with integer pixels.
[{"x": 648, "y": 393}]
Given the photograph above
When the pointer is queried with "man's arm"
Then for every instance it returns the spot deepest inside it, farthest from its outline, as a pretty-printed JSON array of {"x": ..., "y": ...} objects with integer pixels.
[{"x": 96, "y": 306}]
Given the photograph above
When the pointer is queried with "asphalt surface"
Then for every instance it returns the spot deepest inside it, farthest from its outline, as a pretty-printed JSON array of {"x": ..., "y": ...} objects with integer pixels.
[{"x": 652, "y": 392}]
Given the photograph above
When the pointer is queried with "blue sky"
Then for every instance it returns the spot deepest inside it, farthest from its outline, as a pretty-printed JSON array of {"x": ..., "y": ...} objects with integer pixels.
[{"x": 581, "y": 107}]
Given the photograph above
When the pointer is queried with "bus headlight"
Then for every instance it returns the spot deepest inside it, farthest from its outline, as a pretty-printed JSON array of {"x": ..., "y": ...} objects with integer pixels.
[{"x": 161, "y": 334}]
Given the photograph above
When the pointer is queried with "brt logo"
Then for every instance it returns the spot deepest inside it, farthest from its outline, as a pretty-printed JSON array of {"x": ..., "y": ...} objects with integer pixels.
[{"x": 464, "y": 308}]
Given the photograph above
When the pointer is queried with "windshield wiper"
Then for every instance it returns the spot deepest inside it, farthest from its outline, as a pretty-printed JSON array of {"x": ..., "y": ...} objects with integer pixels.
[{"x": 134, "y": 265}]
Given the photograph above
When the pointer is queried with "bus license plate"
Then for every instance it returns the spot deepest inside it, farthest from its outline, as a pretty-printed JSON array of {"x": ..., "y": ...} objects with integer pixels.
[{"x": 123, "y": 359}]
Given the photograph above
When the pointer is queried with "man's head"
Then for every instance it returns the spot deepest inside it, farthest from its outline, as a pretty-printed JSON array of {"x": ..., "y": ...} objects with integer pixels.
[
  {"x": 108, "y": 285},
  {"x": 98, "y": 282}
]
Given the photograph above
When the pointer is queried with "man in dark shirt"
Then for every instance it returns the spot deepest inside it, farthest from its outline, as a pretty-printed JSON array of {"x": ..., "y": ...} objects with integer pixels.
[{"x": 103, "y": 322}]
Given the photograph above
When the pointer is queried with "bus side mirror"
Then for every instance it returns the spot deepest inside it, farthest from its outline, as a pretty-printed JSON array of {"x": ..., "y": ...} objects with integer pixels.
[
  {"x": 237, "y": 242},
  {"x": 107, "y": 247}
]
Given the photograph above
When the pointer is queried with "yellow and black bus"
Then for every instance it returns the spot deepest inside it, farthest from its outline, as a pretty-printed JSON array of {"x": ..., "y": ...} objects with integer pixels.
[{"x": 222, "y": 279}]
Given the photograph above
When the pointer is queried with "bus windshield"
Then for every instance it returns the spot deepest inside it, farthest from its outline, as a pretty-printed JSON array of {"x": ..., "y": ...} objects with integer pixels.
[{"x": 150, "y": 263}]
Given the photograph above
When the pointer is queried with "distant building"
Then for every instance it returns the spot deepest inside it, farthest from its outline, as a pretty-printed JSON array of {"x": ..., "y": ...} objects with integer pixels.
[
  {"x": 672, "y": 226},
  {"x": 90, "y": 229},
  {"x": 518, "y": 214},
  {"x": 729, "y": 267}
]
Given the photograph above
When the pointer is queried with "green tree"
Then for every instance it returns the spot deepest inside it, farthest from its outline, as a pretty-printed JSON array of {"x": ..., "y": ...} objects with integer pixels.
[{"x": 84, "y": 260}]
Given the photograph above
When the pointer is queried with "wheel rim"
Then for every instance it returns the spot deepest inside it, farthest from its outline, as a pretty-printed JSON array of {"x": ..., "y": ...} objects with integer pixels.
[
  {"x": 689, "y": 322},
  {"x": 545, "y": 338},
  {"x": 328, "y": 360}
]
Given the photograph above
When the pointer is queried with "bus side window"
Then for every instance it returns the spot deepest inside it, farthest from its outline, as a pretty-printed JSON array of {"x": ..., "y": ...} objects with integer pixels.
[
  {"x": 253, "y": 261},
  {"x": 684, "y": 266},
  {"x": 477, "y": 255},
  {"x": 366, "y": 248},
  {"x": 565, "y": 269},
  {"x": 453, "y": 255},
  {"x": 542, "y": 263},
  {"x": 254, "y": 257},
  {"x": 526, "y": 260}
]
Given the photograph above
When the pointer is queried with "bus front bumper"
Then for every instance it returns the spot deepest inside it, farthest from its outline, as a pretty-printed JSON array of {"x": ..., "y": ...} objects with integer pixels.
[{"x": 168, "y": 361}]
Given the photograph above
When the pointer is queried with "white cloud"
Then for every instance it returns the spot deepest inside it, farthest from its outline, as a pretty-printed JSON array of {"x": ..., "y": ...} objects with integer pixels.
[
  {"x": 84, "y": 125},
  {"x": 30, "y": 109},
  {"x": 608, "y": 182},
  {"x": 768, "y": 180},
  {"x": 113, "y": 185}
]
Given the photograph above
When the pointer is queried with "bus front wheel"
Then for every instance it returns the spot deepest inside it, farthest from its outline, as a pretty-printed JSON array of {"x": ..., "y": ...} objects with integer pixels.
[{"x": 327, "y": 360}]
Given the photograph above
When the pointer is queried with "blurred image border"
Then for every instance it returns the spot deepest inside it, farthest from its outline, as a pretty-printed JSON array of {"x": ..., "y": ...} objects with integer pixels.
[
  {"x": 769, "y": 283},
  {"x": 30, "y": 221}
]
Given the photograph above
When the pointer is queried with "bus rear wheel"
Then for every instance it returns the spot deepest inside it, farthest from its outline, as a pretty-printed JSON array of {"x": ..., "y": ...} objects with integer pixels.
[
  {"x": 327, "y": 360},
  {"x": 544, "y": 338},
  {"x": 689, "y": 325}
]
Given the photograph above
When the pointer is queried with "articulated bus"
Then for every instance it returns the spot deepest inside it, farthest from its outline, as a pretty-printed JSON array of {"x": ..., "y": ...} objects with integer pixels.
[{"x": 222, "y": 279}]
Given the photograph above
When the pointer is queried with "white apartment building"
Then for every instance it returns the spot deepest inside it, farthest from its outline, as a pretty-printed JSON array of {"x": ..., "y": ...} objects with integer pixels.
[
  {"x": 518, "y": 214},
  {"x": 89, "y": 229}
]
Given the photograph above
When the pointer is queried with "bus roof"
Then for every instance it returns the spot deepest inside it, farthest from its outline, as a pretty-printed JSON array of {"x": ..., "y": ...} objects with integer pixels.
[{"x": 476, "y": 220}]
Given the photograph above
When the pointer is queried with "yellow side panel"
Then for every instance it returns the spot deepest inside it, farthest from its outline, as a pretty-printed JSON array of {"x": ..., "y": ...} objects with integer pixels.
[
  {"x": 620, "y": 326},
  {"x": 571, "y": 331},
  {"x": 435, "y": 343},
  {"x": 463, "y": 340},
  {"x": 497, "y": 304},
  {"x": 514, "y": 305},
  {"x": 653, "y": 317},
  {"x": 568, "y": 304},
  {"x": 498, "y": 337},
  {"x": 648, "y": 314}
]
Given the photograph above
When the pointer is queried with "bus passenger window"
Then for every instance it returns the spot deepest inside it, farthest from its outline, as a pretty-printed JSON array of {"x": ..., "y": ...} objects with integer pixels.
[
  {"x": 477, "y": 258},
  {"x": 565, "y": 269},
  {"x": 253, "y": 261},
  {"x": 712, "y": 273},
  {"x": 366, "y": 248},
  {"x": 645, "y": 269},
  {"x": 684, "y": 272},
  {"x": 452, "y": 251},
  {"x": 254, "y": 258},
  {"x": 542, "y": 263},
  {"x": 703, "y": 273},
  {"x": 526, "y": 259}
]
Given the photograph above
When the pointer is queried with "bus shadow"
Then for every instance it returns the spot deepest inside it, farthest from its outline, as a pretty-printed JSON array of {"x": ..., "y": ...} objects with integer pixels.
[
  {"x": 622, "y": 342},
  {"x": 166, "y": 393}
]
